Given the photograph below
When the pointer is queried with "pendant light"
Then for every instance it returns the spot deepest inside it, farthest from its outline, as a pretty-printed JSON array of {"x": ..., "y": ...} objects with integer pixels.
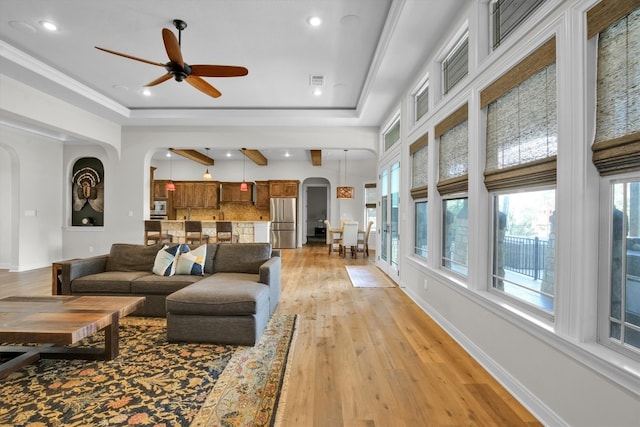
[
  {"x": 345, "y": 192},
  {"x": 243, "y": 185},
  {"x": 207, "y": 175},
  {"x": 170, "y": 185}
]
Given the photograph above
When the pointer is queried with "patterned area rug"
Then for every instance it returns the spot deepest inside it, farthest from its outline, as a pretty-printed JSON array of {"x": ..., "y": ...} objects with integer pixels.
[
  {"x": 154, "y": 383},
  {"x": 368, "y": 276}
]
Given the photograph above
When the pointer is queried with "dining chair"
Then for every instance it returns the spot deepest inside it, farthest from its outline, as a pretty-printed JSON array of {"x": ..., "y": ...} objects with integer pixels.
[
  {"x": 153, "y": 233},
  {"x": 333, "y": 238},
  {"x": 193, "y": 233},
  {"x": 349, "y": 237},
  {"x": 363, "y": 240},
  {"x": 224, "y": 231}
]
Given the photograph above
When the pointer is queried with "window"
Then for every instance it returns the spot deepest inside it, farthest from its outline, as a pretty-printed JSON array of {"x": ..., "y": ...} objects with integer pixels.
[
  {"x": 453, "y": 133},
  {"x": 616, "y": 151},
  {"x": 455, "y": 235},
  {"x": 419, "y": 190},
  {"x": 508, "y": 15},
  {"x": 521, "y": 175},
  {"x": 421, "y": 101},
  {"x": 524, "y": 246},
  {"x": 420, "y": 236},
  {"x": 624, "y": 296},
  {"x": 392, "y": 135},
  {"x": 456, "y": 64}
]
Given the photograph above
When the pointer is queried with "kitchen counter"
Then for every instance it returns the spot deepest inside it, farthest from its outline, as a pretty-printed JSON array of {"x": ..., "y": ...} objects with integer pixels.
[{"x": 243, "y": 231}]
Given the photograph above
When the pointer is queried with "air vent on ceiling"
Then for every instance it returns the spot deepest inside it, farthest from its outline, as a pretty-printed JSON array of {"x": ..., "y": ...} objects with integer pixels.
[{"x": 316, "y": 80}]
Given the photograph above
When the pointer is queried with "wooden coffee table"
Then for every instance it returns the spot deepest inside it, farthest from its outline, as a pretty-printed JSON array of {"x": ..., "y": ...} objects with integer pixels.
[{"x": 56, "y": 321}]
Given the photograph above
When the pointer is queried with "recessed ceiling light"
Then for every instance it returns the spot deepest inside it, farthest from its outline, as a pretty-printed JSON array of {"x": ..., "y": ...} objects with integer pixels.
[
  {"x": 48, "y": 25},
  {"x": 287, "y": 154},
  {"x": 22, "y": 26},
  {"x": 228, "y": 154},
  {"x": 314, "y": 21},
  {"x": 317, "y": 91},
  {"x": 145, "y": 92},
  {"x": 168, "y": 154}
]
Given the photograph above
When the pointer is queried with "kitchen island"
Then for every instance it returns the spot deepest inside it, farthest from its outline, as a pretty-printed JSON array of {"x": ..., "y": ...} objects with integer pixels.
[{"x": 243, "y": 231}]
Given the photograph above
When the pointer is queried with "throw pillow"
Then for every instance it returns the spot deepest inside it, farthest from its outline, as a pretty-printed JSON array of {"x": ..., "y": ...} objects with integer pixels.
[
  {"x": 192, "y": 262},
  {"x": 165, "y": 264}
]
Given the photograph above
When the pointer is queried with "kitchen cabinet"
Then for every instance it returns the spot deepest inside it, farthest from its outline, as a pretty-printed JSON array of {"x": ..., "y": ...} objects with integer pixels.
[
  {"x": 262, "y": 194},
  {"x": 160, "y": 189},
  {"x": 231, "y": 192},
  {"x": 283, "y": 188},
  {"x": 196, "y": 195},
  {"x": 183, "y": 196},
  {"x": 205, "y": 195}
]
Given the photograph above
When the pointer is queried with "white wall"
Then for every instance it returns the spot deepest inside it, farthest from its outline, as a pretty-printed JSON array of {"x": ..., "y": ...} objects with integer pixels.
[
  {"x": 32, "y": 216},
  {"x": 556, "y": 369}
]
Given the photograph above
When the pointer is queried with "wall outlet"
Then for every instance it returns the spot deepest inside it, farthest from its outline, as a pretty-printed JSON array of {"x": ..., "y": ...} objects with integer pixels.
[{"x": 424, "y": 284}]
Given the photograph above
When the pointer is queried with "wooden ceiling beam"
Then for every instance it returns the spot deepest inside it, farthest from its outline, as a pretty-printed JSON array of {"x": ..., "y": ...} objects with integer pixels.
[
  {"x": 194, "y": 155},
  {"x": 316, "y": 157},
  {"x": 256, "y": 156}
]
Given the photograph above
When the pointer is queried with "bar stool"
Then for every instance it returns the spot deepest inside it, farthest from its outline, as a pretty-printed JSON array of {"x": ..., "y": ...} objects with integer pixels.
[
  {"x": 193, "y": 233},
  {"x": 224, "y": 231},
  {"x": 153, "y": 233}
]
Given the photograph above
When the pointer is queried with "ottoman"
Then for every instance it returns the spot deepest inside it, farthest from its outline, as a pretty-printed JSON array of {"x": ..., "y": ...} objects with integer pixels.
[{"x": 225, "y": 308}]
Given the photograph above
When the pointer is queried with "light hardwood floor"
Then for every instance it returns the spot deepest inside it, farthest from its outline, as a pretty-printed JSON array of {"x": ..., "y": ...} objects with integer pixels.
[{"x": 362, "y": 356}]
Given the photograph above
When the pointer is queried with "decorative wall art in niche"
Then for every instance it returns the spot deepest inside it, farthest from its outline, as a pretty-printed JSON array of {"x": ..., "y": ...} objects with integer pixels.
[{"x": 87, "y": 192}]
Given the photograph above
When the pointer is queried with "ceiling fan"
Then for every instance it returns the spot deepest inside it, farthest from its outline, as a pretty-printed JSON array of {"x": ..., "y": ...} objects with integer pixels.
[{"x": 180, "y": 70}]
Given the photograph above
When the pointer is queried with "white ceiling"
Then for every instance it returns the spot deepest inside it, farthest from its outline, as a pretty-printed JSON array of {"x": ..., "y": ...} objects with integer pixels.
[{"x": 368, "y": 51}]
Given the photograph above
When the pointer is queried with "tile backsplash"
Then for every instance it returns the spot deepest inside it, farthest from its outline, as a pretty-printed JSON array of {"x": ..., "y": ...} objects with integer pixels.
[{"x": 229, "y": 211}]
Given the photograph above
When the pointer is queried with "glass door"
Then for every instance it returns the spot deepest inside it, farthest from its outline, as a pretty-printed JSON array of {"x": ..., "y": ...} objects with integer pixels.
[{"x": 389, "y": 223}]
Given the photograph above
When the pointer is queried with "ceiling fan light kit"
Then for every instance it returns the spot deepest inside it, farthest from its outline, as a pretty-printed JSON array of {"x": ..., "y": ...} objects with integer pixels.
[{"x": 180, "y": 70}]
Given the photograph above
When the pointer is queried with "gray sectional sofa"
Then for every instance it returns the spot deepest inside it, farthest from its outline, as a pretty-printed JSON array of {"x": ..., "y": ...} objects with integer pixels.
[{"x": 230, "y": 303}]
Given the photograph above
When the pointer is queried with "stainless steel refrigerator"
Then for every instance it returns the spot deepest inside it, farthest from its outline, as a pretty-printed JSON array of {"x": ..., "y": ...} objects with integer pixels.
[{"x": 283, "y": 222}]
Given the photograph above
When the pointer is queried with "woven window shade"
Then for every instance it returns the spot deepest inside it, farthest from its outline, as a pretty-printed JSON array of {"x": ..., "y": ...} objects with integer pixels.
[
  {"x": 606, "y": 13},
  {"x": 370, "y": 195},
  {"x": 617, "y": 142},
  {"x": 454, "y": 152},
  {"x": 522, "y": 134},
  {"x": 419, "y": 164}
]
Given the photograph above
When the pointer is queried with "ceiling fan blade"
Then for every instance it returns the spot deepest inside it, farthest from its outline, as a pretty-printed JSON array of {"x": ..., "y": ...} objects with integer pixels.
[
  {"x": 172, "y": 47},
  {"x": 203, "y": 86},
  {"x": 218, "y": 71},
  {"x": 159, "y": 80},
  {"x": 129, "y": 56}
]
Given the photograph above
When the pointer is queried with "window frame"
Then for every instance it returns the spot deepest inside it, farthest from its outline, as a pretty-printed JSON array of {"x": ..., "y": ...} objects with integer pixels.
[
  {"x": 605, "y": 265},
  {"x": 422, "y": 88},
  {"x": 387, "y": 130},
  {"x": 521, "y": 303},
  {"x": 443, "y": 223},
  {"x": 519, "y": 20}
]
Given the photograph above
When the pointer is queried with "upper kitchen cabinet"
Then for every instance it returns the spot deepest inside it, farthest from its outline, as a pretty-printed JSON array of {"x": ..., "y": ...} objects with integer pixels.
[
  {"x": 205, "y": 195},
  {"x": 196, "y": 195},
  {"x": 262, "y": 194},
  {"x": 183, "y": 195},
  {"x": 283, "y": 188},
  {"x": 160, "y": 189},
  {"x": 231, "y": 192}
]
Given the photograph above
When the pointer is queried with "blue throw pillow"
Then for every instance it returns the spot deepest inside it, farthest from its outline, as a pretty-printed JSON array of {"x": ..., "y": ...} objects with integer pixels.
[
  {"x": 192, "y": 262},
  {"x": 165, "y": 263}
]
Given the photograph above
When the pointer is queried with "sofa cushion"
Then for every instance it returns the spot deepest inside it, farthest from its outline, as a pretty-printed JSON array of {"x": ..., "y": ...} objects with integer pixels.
[
  {"x": 129, "y": 257},
  {"x": 153, "y": 284},
  {"x": 219, "y": 298},
  {"x": 241, "y": 258},
  {"x": 108, "y": 282},
  {"x": 166, "y": 260},
  {"x": 192, "y": 261}
]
